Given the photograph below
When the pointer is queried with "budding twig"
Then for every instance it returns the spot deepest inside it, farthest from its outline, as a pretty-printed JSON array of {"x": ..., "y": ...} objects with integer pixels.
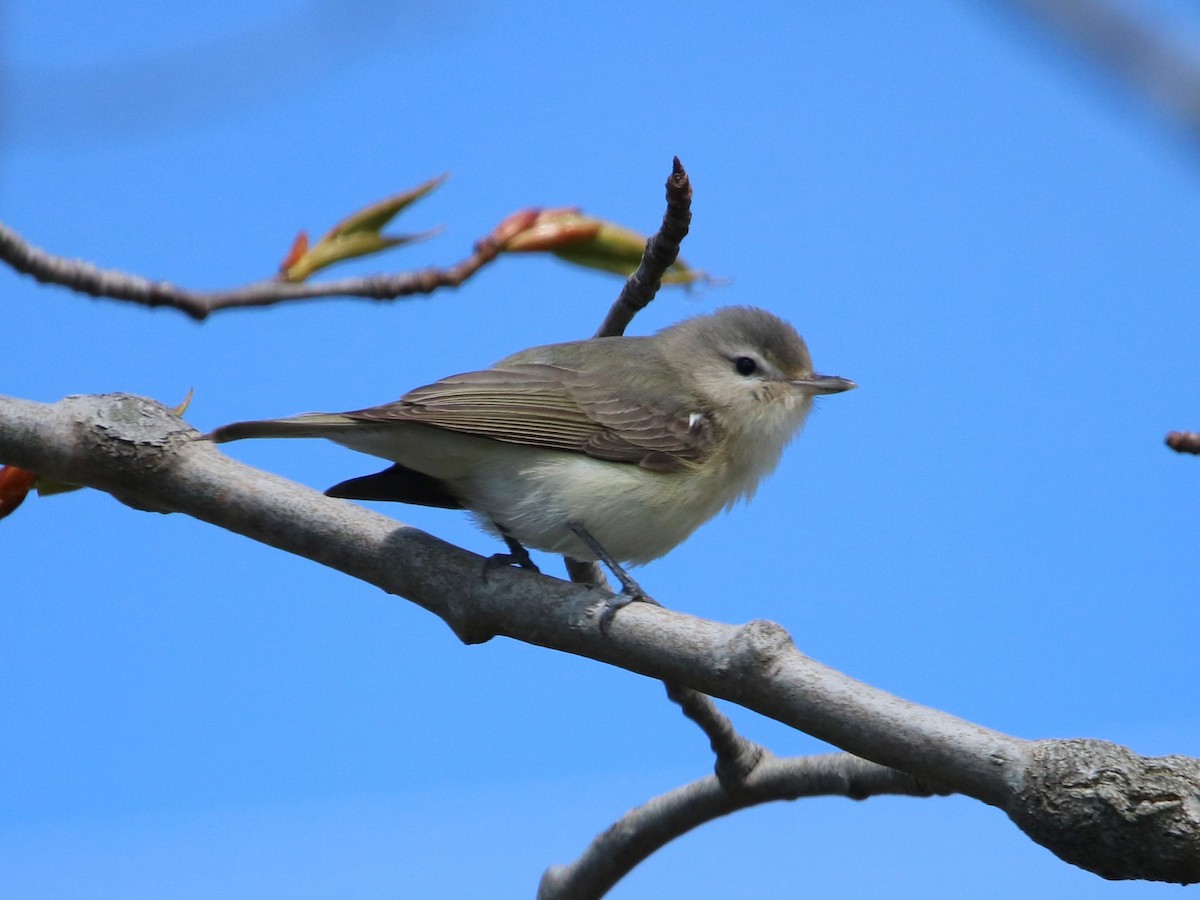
[{"x": 87, "y": 278}]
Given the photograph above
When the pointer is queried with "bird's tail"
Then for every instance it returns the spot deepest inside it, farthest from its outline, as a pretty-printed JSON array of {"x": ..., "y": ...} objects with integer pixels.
[{"x": 308, "y": 425}]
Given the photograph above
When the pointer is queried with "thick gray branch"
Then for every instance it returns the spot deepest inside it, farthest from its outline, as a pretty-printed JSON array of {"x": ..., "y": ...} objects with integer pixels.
[{"x": 1079, "y": 798}]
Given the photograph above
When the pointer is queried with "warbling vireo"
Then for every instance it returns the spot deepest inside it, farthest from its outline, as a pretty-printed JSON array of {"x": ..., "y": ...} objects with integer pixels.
[{"x": 614, "y": 448}]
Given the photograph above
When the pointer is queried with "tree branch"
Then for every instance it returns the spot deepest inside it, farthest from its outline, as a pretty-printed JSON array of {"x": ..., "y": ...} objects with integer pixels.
[
  {"x": 1095, "y": 804},
  {"x": 1122, "y": 41},
  {"x": 737, "y": 756},
  {"x": 648, "y": 828},
  {"x": 661, "y": 251},
  {"x": 86, "y": 278}
]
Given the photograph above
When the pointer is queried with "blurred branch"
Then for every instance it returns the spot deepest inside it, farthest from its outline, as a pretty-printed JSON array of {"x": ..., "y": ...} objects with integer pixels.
[
  {"x": 1095, "y": 804},
  {"x": 1141, "y": 55},
  {"x": 1127, "y": 45}
]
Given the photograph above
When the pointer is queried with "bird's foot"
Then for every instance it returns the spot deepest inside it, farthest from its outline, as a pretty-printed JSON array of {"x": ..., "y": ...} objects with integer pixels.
[
  {"x": 621, "y": 600},
  {"x": 517, "y": 556},
  {"x": 631, "y": 591}
]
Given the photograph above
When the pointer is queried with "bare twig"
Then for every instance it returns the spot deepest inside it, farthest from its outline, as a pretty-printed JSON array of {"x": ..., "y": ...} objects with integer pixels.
[
  {"x": 112, "y": 284},
  {"x": 736, "y": 756},
  {"x": 661, "y": 251},
  {"x": 1095, "y": 804},
  {"x": 648, "y": 828}
]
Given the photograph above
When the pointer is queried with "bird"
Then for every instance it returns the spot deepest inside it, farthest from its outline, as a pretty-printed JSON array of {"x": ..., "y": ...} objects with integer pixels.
[{"x": 612, "y": 448}]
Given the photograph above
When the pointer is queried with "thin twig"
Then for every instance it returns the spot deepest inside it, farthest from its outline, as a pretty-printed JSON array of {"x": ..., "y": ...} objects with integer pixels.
[
  {"x": 737, "y": 757},
  {"x": 115, "y": 285},
  {"x": 661, "y": 251}
]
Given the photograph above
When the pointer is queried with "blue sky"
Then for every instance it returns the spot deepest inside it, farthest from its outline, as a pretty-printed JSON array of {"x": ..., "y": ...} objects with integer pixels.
[{"x": 1000, "y": 251}]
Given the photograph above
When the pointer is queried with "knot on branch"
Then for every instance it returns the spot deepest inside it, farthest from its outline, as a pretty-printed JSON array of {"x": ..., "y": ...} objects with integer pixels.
[
  {"x": 134, "y": 432},
  {"x": 754, "y": 648},
  {"x": 127, "y": 427},
  {"x": 1106, "y": 809}
]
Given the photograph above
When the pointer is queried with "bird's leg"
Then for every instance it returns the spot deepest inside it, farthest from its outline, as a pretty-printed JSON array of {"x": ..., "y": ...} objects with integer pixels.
[
  {"x": 586, "y": 571},
  {"x": 631, "y": 591},
  {"x": 517, "y": 555},
  {"x": 628, "y": 585}
]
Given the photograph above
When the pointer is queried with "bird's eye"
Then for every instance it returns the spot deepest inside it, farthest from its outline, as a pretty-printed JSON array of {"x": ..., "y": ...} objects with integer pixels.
[{"x": 745, "y": 365}]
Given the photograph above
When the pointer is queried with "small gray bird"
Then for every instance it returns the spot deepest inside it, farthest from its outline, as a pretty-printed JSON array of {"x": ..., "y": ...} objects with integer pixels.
[{"x": 614, "y": 448}]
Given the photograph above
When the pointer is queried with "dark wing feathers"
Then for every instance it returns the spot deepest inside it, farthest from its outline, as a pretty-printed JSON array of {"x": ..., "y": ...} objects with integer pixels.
[
  {"x": 555, "y": 407},
  {"x": 397, "y": 483}
]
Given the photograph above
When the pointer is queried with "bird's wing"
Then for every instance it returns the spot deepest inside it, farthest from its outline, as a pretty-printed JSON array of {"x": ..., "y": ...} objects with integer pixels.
[
  {"x": 399, "y": 484},
  {"x": 549, "y": 406}
]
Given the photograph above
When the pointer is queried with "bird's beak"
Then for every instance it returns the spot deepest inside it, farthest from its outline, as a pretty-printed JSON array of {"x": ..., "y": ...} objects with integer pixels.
[{"x": 824, "y": 384}]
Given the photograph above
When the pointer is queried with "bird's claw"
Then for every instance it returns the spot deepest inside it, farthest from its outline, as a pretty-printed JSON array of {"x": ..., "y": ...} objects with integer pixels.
[
  {"x": 517, "y": 556},
  {"x": 631, "y": 593},
  {"x": 503, "y": 560}
]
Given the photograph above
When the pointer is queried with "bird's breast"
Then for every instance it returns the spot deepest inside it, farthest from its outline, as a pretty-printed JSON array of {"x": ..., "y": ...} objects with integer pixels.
[{"x": 636, "y": 514}]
